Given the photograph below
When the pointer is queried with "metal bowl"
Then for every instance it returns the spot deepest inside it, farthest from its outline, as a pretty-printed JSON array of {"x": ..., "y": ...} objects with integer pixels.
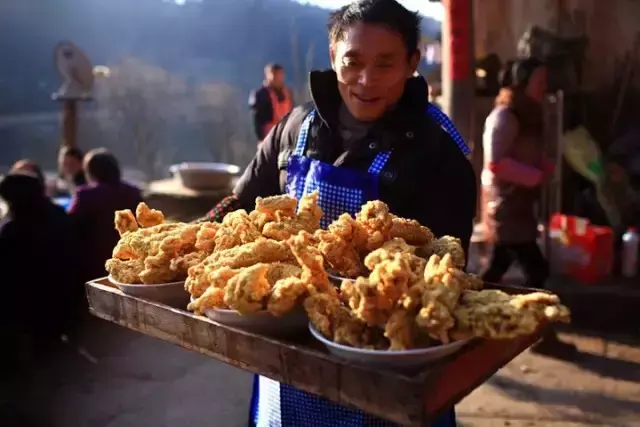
[
  {"x": 172, "y": 294},
  {"x": 262, "y": 322},
  {"x": 405, "y": 360},
  {"x": 204, "y": 175}
]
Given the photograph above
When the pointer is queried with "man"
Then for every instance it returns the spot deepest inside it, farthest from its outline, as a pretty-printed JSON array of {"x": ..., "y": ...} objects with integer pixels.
[
  {"x": 369, "y": 130},
  {"x": 271, "y": 102}
]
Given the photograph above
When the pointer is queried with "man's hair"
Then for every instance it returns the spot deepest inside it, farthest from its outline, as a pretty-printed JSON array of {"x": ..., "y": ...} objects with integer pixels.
[
  {"x": 102, "y": 166},
  {"x": 387, "y": 13},
  {"x": 74, "y": 152},
  {"x": 272, "y": 68}
]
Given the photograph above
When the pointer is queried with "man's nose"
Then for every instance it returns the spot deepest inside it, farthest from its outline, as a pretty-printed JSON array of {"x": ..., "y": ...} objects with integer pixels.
[{"x": 367, "y": 77}]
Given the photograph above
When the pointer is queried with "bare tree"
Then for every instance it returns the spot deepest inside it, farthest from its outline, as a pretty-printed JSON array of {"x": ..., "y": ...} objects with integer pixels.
[
  {"x": 139, "y": 101},
  {"x": 221, "y": 119}
]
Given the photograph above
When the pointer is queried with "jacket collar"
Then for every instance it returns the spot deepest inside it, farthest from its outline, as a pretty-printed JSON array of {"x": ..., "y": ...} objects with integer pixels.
[{"x": 323, "y": 86}]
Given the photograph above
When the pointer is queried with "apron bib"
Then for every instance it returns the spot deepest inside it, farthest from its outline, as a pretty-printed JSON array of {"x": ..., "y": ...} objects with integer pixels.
[{"x": 340, "y": 190}]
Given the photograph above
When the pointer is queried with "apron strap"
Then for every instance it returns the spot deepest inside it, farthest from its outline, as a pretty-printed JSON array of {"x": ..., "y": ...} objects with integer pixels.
[
  {"x": 447, "y": 125},
  {"x": 304, "y": 130},
  {"x": 378, "y": 163}
]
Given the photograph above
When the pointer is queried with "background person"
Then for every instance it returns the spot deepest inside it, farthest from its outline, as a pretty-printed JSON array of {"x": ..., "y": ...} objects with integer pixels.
[
  {"x": 70, "y": 168},
  {"x": 515, "y": 168},
  {"x": 93, "y": 207},
  {"x": 271, "y": 102}
]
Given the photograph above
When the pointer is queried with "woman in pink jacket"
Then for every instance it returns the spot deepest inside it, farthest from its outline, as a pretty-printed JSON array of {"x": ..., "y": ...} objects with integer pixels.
[{"x": 515, "y": 167}]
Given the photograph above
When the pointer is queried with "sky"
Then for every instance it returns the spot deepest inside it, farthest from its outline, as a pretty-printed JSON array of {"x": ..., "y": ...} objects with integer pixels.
[{"x": 427, "y": 8}]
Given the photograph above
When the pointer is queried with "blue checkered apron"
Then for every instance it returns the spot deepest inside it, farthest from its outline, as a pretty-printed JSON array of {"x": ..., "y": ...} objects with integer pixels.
[{"x": 340, "y": 190}]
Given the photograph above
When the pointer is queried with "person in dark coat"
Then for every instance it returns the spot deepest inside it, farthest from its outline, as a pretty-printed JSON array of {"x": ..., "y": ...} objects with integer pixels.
[
  {"x": 93, "y": 207},
  {"x": 70, "y": 167},
  {"x": 37, "y": 261}
]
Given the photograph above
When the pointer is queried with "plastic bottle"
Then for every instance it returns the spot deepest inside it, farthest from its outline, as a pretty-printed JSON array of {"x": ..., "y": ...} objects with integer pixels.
[{"x": 630, "y": 245}]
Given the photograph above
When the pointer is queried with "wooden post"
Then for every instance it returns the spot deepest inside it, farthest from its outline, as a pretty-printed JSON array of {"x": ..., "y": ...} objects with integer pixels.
[
  {"x": 458, "y": 69},
  {"x": 69, "y": 123}
]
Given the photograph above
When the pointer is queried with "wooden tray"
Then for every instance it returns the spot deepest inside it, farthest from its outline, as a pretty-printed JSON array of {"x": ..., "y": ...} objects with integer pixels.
[{"x": 305, "y": 363}]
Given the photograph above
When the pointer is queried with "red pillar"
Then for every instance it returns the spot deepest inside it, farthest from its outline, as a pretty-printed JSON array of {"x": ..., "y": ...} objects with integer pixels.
[{"x": 458, "y": 69}]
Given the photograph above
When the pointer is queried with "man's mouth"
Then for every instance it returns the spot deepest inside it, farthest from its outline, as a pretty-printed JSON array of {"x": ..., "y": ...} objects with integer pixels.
[{"x": 366, "y": 99}]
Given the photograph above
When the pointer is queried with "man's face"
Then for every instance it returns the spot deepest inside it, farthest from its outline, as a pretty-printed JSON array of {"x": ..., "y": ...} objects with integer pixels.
[
  {"x": 372, "y": 67},
  {"x": 276, "y": 78},
  {"x": 70, "y": 165}
]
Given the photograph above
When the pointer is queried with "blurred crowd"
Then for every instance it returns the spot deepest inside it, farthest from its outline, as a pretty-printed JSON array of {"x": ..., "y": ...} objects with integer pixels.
[{"x": 55, "y": 236}]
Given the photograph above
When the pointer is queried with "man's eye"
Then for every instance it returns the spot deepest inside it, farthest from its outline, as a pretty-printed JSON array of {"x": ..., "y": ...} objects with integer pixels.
[{"x": 349, "y": 62}]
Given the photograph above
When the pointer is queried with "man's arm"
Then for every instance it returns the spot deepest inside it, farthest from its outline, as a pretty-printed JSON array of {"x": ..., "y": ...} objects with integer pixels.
[
  {"x": 260, "y": 179},
  {"x": 262, "y": 110}
]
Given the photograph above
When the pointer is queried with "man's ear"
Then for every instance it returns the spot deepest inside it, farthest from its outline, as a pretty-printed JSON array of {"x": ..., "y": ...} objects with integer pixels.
[
  {"x": 332, "y": 56},
  {"x": 414, "y": 60}
]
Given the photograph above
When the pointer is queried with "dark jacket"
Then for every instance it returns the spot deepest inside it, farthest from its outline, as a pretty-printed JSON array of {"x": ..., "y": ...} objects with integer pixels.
[
  {"x": 92, "y": 212},
  {"x": 38, "y": 263},
  {"x": 262, "y": 110},
  {"x": 427, "y": 177}
]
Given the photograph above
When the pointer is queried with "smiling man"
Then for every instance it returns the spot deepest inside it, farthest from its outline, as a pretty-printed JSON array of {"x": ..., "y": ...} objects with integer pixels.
[{"x": 369, "y": 133}]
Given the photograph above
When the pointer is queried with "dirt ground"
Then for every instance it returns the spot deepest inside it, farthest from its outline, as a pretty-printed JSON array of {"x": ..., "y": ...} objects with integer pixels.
[{"x": 125, "y": 379}]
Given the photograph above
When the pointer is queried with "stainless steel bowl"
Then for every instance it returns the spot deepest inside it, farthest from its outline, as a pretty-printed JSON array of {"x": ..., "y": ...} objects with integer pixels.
[
  {"x": 406, "y": 360},
  {"x": 172, "y": 294},
  {"x": 205, "y": 175}
]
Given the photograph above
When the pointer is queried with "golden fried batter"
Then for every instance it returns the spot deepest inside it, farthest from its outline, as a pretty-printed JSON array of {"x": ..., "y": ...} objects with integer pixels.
[
  {"x": 148, "y": 217},
  {"x": 125, "y": 221},
  {"x": 445, "y": 245},
  {"x": 284, "y": 204},
  {"x": 246, "y": 290},
  {"x": 125, "y": 271},
  {"x": 339, "y": 254},
  {"x": 497, "y": 315},
  {"x": 411, "y": 231},
  {"x": 285, "y": 295}
]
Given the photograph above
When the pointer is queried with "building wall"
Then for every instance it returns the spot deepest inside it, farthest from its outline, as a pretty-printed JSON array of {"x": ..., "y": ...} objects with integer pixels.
[{"x": 612, "y": 26}]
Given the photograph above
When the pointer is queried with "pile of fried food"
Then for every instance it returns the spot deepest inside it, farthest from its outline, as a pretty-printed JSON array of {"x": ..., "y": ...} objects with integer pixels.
[{"x": 402, "y": 288}]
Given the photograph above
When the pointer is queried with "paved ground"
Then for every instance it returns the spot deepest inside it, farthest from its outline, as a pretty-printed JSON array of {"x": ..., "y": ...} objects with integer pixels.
[{"x": 138, "y": 381}]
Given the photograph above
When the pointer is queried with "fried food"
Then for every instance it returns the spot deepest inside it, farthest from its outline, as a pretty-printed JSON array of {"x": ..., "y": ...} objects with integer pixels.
[
  {"x": 409, "y": 288},
  {"x": 374, "y": 299},
  {"x": 444, "y": 284},
  {"x": 125, "y": 271},
  {"x": 351, "y": 231},
  {"x": 210, "y": 299},
  {"x": 286, "y": 294},
  {"x": 497, "y": 315},
  {"x": 377, "y": 221},
  {"x": 410, "y": 231},
  {"x": 246, "y": 290},
  {"x": 125, "y": 221},
  {"x": 312, "y": 262},
  {"x": 392, "y": 248},
  {"x": 335, "y": 321},
  {"x": 339, "y": 254},
  {"x": 283, "y": 205},
  {"x": 148, "y": 217},
  {"x": 260, "y": 251},
  {"x": 400, "y": 330},
  {"x": 307, "y": 219},
  {"x": 445, "y": 245}
]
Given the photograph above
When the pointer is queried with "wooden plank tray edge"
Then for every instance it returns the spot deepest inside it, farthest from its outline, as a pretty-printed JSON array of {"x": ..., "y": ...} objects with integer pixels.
[{"x": 402, "y": 399}]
